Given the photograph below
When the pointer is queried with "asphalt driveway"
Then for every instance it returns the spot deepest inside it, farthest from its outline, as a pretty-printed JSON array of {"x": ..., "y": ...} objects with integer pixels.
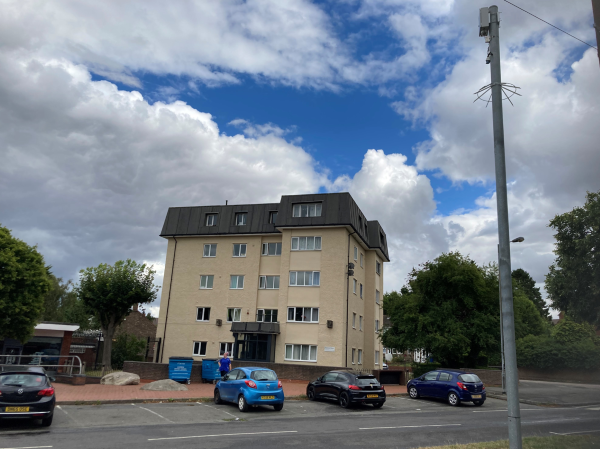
[{"x": 554, "y": 393}]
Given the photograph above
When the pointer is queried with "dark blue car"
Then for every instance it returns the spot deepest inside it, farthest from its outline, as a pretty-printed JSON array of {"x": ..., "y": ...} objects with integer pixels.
[
  {"x": 250, "y": 386},
  {"x": 454, "y": 386}
]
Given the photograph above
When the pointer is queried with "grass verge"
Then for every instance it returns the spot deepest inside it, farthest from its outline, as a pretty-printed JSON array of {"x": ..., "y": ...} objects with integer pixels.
[{"x": 553, "y": 442}]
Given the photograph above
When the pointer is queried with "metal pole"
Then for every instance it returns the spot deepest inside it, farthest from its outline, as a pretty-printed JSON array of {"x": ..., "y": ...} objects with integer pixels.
[
  {"x": 501, "y": 332},
  {"x": 596, "y": 12},
  {"x": 508, "y": 323}
]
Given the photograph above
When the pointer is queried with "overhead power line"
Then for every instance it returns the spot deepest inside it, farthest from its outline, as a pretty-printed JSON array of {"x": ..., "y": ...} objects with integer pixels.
[{"x": 551, "y": 25}]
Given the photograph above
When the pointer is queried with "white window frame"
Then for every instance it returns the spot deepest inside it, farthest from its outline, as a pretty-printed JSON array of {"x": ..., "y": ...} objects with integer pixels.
[
  {"x": 360, "y": 353},
  {"x": 265, "y": 249},
  {"x": 307, "y": 210},
  {"x": 263, "y": 283},
  {"x": 312, "y": 350},
  {"x": 239, "y": 215},
  {"x": 210, "y": 247},
  {"x": 241, "y": 249},
  {"x": 204, "y": 318},
  {"x": 304, "y": 315},
  {"x": 199, "y": 352},
  {"x": 376, "y": 357},
  {"x": 228, "y": 348},
  {"x": 377, "y": 294},
  {"x": 237, "y": 282},
  {"x": 378, "y": 267},
  {"x": 361, "y": 291},
  {"x": 360, "y": 320},
  {"x": 362, "y": 257},
  {"x": 353, "y": 355},
  {"x": 264, "y": 315},
  {"x": 294, "y": 276},
  {"x": 309, "y": 243},
  {"x": 211, "y": 218},
  {"x": 353, "y": 320},
  {"x": 209, "y": 279},
  {"x": 234, "y": 311},
  {"x": 271, "y": 214},
  {"x": 354, "y": 283},
  {"x": 355, "y": 253}
]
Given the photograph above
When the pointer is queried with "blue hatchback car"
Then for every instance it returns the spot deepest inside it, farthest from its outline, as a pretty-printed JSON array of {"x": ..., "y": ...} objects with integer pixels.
[
  {"x": 250, "y": 386},
  {"x": 454, "y": 386}
]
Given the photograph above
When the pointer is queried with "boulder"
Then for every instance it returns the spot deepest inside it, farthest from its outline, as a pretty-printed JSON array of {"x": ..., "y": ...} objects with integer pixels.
[
  {"x": 120, "y": 378},
  {"x": 164, "y": 385}
]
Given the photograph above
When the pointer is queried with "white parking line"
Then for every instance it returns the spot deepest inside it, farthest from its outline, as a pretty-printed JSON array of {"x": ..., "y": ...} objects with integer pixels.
[
  {"x": 28, "y": 447},
  {"x": 572, "y": 433},
  {"x": 490, "y": 411},
  {"x": 223, "y": 435},
  {"x": 409, "y": 427},
  {"x": 151, "y": 411},
  {"x": 215, "y": 408},
  {"x": 550, "y": 420}
]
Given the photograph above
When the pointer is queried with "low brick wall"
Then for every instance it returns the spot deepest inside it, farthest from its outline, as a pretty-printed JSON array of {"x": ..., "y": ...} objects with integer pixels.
[
  {"x": 158, "y": 371},
  {"x": 75, "y": 379},
  {"x": 487, "y": 376},
  {"x": 290, "y": 371},
  {"x": 566, "y": 375}
]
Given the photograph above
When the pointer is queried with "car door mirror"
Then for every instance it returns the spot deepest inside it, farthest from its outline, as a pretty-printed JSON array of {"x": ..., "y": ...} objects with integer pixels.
[{"x": 52, "y": 379}]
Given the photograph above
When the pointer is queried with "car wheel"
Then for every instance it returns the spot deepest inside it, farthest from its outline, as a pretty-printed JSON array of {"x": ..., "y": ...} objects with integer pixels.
[
  {"x": 378, "y": 405},
  {"x": 278, "y": 407},
  {"x": 46, "y": 422},
  {"x": 453, "y": 399},
  {"x": 218, "y": 399},
  {"x": 478, "y": 403},
  {"x": 310, "y": 394},
  {"x": 344, "y": 400},
  {"x": 413, "y": 393},
  {"x": 242, "y": 403}
]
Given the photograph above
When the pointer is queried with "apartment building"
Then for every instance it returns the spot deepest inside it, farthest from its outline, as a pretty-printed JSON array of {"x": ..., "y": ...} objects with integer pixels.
[{"x": 299, "y": 281}]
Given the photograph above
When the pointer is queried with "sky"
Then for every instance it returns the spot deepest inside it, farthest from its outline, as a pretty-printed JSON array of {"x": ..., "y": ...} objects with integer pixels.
[{"x": 111, "y": 112}]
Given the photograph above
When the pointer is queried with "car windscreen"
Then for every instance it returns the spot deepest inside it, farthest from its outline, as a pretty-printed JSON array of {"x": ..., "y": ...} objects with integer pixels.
[
  {"x": 263, "y": 374},
  {"x": 22, "y": 380},
  {"x": 366, "y": 381},
  {"x": 469, "y": 378}
]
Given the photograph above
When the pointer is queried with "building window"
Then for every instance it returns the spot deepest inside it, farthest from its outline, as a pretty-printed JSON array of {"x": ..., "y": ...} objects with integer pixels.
[
  {"x": 199, "y": 348},
  {"x": 210, "y": 250},
  {"x": 306, "y": 243},
  {"x": 203, "y": 314},
  {"x": 234, "y": 314},
  {"x": 361, "y": 290},
  {"x": 272, "y": 217},
  {"x": 307, "y": 210},
  {"x": 378, "y": 267},
  {"x": 206, "y": 281},
  {"x": 377, "y": 296},
  {"x": 241, "y": 218},
  {"x": 354, "y": 286},
  {"x": 226, "y": 347},
  {"x": 239, "y": 250},
  {"x": 361, "y": 259},
  {"x": 301, "y": 353},
  {"x": 271, "y": 249},
  {"x": 353, "y": 320},
  {"x": 266, "y": 315},
  {"x": 305, "y": 278},
  {"x": 355, "y": 253},
  {"x": 360, "y": 322},
  {"x": 237, "y": 282},
  {"x": 376, "y": 325},
  {"x": 376, "y": 357},
  {"x": 360, "y": 356},
  {"x": 268, "y": 282},
  {"x": 353, "y": 355},
  {"x": 211, "y": 219},
  {"x": 303, "y": 314}
]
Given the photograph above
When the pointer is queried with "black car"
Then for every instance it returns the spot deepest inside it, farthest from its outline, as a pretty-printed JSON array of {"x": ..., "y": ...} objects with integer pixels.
[
  {"x": 26, "y": 392},
  {"x": 347, "y": 388}
]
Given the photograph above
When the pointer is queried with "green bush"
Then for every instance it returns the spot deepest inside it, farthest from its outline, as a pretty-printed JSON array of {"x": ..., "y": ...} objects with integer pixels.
[
  {"x": 127, "y": 347},
  {"x": 419, "y": 369},
  {"x": 548, "y": 353}
]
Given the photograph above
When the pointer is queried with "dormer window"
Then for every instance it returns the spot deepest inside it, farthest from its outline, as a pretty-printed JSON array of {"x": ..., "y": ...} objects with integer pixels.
[
  {"x": 307, "y": 210},
  {"x": 241, "y": 218},
  {"x": 211, "y": 219}
]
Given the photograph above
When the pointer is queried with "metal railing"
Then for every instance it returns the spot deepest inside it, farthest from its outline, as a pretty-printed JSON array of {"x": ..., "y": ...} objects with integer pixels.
[{"x": 38, "y": 360}]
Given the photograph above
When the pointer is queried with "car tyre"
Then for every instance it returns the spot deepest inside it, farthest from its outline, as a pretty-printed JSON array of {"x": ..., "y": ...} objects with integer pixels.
[
  {"x": 344, "y": 400},
  {"x": 413, "y": 393},
  {"x": 47, "y": 422},
  {"x": 453, "y": 399},
  {"x": 310, "y": 394},
  {"x": 218, "y": 399},
  {"x": 378, "y": 405},
  {"x": 243, "y": 404},
  {"x": 278, "y": 407},
  {"x": 478, "y": 403}
]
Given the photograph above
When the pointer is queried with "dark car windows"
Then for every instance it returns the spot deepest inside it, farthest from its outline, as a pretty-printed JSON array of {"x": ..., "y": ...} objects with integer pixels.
[
  {"x": 241, "y": 375},
  {"x": 431, "y": 376},
  {"x": 263, "y": 374},
  {"x": 22, "y": 380},
  {"x": 342, "y": 378},
  {"x": 329, "y": 377},
  {"x": 469, "y": 378},
  {"x": 445, "y": 377},
  {"x": 233, "y": 374},
  {"x": 365, "y": 381}
]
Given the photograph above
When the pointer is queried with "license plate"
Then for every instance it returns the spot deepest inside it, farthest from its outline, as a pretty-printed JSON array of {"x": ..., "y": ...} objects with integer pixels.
[
  {"x": 476, "y": 396},
  {"x": 16, "y": 409},
  {"x": 372, "y": 396},
  {"x": 267, "y": 397}
]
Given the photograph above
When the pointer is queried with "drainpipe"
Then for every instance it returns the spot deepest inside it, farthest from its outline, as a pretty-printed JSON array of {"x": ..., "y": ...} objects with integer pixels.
[
  {"x": 168, "y": 301},
  {"x": 347, "y": 298}
]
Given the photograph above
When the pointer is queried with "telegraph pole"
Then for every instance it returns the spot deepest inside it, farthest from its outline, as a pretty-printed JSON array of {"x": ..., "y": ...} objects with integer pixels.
[
  {"x": 596, "y": 12},
  {"x": 508, "y": 323}
]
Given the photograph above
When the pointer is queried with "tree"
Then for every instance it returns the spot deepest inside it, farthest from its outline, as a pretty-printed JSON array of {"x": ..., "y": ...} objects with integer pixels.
[
  {"x": 62, "y": 304},
  {"x": 523, "y": 282},
  {"x": 23, "y": 283},
  {"x": 110, "y": 292},
  {"x": 127, "y": 347},
  {"x": 573, "y": 282},
  {"x": 528, "y": 320},
  {"x": 448, "y": 308}
]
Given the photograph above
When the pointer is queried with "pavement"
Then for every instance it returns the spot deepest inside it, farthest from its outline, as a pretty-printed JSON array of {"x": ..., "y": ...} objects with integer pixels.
[
  {"x": 400, "y": 423},
  {"x": 552, "y": 393},
  {"x": 114, "y": 394}
]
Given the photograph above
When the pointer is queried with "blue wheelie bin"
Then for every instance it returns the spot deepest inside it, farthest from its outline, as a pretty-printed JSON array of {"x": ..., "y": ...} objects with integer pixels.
[
  {"x": 180, "y": 369},
  {"x": 210, "y": 370}
]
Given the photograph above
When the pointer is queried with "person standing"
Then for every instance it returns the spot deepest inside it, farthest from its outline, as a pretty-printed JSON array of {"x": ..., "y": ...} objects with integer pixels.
[{"x": 224, "y": 365}]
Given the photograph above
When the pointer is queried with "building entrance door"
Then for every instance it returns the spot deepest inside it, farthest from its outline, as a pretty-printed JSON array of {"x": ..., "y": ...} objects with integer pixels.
[{"x": 254, "y": 347}]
